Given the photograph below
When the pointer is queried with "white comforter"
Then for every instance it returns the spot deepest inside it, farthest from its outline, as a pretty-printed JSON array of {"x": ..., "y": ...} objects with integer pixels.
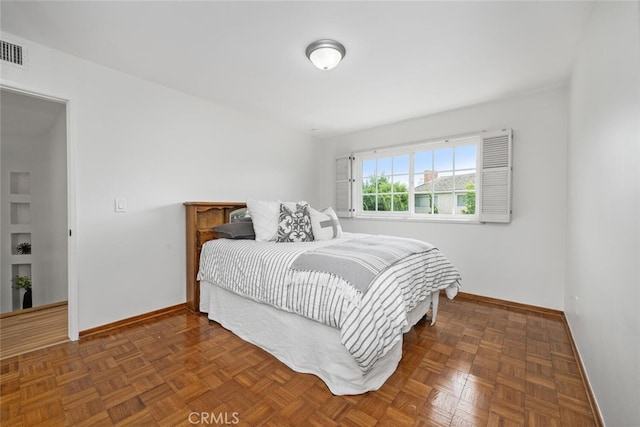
[{"x": 370, "y": 323}]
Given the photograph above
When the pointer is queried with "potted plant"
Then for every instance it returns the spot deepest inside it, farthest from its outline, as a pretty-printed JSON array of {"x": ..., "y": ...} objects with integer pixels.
[
  {"x": 24, "y": 282},
  {"x": 24, "y": 248}
]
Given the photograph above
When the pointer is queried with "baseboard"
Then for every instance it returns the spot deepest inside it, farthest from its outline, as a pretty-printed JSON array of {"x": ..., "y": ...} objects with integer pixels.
[
  {"x": 130, "y": 321},
  {"x": 514, "y": 306},
  {"x": 593, "y": 403}
]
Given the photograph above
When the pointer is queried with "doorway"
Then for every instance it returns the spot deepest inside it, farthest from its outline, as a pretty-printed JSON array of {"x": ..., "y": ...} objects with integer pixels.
[{"x": 34, "y": 202}]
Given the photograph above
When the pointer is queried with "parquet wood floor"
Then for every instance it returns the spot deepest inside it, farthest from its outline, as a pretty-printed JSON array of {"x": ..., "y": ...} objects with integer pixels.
[{"x": 480, "y": 365}]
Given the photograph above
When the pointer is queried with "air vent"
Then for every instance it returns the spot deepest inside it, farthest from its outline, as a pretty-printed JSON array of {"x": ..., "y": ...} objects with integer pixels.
[{"x": 12, "y": 53}]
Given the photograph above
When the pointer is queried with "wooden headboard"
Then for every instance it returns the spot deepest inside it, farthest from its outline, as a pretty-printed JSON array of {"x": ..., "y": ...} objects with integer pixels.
[{"x": 201, "y": 218}]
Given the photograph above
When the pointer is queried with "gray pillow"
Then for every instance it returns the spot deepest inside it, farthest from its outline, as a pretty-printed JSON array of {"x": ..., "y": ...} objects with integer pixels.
[{"x": 236, "y": 230}]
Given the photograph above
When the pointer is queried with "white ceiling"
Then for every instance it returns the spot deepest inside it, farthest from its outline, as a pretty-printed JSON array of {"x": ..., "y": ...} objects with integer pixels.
[{"x": 404, "y": 59}]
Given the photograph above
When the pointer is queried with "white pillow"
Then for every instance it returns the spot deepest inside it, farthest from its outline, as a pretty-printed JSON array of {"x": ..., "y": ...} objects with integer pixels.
[
  {"x": 265, "y": 215},
  {"x": 325, "y": 224}
]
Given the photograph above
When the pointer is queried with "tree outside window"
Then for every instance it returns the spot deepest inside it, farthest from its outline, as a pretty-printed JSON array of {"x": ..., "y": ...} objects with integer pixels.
[{"x": 380, "y": 194}]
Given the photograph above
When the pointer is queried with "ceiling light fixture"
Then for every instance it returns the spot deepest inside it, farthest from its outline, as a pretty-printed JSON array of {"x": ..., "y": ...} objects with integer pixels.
[{"x": 325, "y": 54}]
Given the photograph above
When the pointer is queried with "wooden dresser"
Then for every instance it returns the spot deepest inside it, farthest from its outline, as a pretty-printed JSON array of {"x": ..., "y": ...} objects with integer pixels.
[{"x": 201, "y": 218}]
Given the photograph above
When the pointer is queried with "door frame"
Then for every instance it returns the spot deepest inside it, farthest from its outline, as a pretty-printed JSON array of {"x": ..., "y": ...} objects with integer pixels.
[{"x": 72, "y": 245}]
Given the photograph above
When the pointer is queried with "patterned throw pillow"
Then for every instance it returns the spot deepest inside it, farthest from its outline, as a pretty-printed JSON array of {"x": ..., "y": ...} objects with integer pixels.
[{"x": 295, "y": 226}]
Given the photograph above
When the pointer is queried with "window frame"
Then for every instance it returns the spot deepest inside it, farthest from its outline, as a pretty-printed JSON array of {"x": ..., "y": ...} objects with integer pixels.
[{"x": 410, "y": 150}]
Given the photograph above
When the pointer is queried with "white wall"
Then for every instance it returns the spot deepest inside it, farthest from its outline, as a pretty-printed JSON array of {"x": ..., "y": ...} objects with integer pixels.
[
  {"x": 49, "y": 215},
  {"x": 603, "y": 228},
  {"x": 156, "y": 148},
  {"x": 522, "y": 261}
]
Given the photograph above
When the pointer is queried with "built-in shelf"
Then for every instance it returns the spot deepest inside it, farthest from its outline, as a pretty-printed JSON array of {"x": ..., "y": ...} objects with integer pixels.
[
  {"x": 20, "y": 213},
  {"x": 18, "y": 239},
  {"x": 20, "y": 270},
  {"x": 20, "y": 198},
  {"x": 20, "y": 183},
  {"x": 19, "y": 228},
  {"x": 21, "y": 259},
  {"x": 19, "y": 231}
]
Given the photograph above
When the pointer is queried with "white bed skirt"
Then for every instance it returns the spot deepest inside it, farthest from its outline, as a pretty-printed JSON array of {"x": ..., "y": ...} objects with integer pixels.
[{"x": 302, "y": 344}]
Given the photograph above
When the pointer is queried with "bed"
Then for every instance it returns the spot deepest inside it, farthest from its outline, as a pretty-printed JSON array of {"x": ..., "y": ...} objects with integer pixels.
[{"x": 311, "y": 304}]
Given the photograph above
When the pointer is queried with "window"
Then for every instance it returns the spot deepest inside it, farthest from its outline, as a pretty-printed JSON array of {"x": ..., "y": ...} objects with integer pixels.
[
  {"x": 465, "y": 179},
  {"x": 423, "y": 180},
  {"x": 385, "y": 184}
]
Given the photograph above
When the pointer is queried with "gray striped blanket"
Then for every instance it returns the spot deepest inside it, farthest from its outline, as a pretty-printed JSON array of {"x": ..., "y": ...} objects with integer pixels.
[
  {"x": 359, "y": 261},
  {"x": 370, "y": 322}
]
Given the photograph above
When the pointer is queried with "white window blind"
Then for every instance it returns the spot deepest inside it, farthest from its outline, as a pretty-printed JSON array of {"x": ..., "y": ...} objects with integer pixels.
[
  {"x": 495, "y": 200},
  {"x": 344, "y": 186}
]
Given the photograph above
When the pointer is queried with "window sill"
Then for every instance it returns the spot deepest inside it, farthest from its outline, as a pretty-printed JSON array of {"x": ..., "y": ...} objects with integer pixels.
[{"x": 474, "y": 220}]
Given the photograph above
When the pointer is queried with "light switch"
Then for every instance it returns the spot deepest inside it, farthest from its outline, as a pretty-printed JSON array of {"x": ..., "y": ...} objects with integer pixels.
[{"x": 121, "y": 205}]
